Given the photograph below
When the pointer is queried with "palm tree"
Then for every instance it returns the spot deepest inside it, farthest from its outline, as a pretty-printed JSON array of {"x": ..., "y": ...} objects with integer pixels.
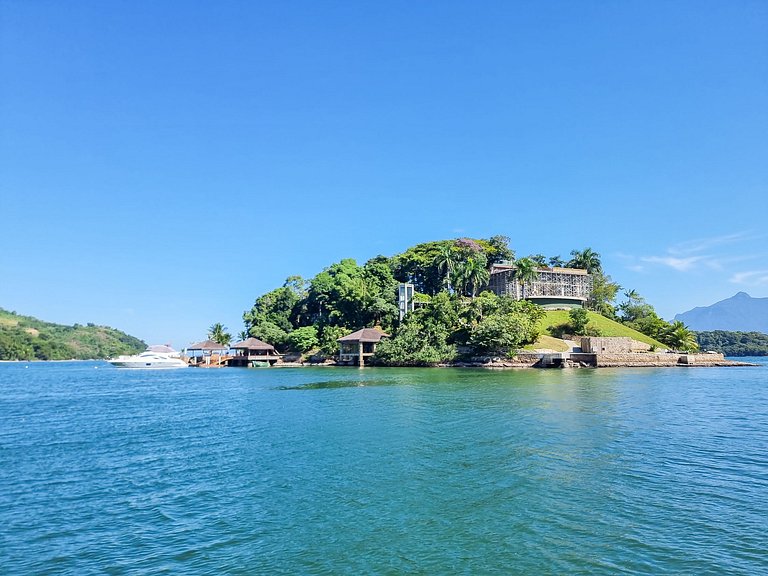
[
  {"x": 526, "y": 270},
  {"x": 632, "y": 294},
  {"x": 587, "y": 259},
  {"x": 218, "y": 333},
  {"x": 679, "y": 337},
  {"x": 445, "y": 261},
  {"x": 556, "y": 262},
  {"x": 540, "y": 259},
  {"x": 476, "y": 274}
]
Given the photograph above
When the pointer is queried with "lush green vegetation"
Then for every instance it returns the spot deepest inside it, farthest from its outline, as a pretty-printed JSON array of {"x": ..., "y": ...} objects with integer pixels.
[
  {"x": 734, "y": 343},
  {"x": 454, "y": 317},
  {"x": 27, "y": 338}
]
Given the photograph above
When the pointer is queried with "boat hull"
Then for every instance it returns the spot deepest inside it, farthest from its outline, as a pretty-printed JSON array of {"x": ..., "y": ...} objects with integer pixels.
[{"x": 143, "y": 365}]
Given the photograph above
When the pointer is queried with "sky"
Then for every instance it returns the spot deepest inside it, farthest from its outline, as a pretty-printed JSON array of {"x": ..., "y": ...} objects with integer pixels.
[{"x": 162, "y": 164}]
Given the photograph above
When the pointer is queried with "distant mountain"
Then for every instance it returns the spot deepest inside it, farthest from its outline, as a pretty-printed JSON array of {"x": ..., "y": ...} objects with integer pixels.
[
  {"x": 27, "y": 338},
  {"x": 738, "y": 313}
]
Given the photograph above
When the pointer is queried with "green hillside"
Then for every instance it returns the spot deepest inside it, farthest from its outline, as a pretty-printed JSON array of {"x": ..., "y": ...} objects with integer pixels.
[
  {"x": 606, "y": 326},
  {"x": 27, "y": 338}
]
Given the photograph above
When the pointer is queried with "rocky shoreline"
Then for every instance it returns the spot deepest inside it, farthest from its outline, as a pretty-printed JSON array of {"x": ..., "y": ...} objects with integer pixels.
[{"x": 577, "y": 360}]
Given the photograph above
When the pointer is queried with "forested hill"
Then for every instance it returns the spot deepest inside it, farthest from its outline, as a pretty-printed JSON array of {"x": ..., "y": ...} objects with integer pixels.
[
  {"x": 734, "y": 343},
  {"x": 27, "y": 338}
]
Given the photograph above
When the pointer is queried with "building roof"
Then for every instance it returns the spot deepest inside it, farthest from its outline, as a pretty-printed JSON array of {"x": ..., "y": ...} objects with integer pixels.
[
  {"x": 365, "y": 335},
  {"x": 252, "y": 344},
  {"x": 207, "y": 345},
  {"x": 496, "y": 268}
]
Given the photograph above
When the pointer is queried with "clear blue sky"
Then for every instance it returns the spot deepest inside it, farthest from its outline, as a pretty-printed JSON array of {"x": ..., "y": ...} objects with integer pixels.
[{"x": 164, "y": 163}]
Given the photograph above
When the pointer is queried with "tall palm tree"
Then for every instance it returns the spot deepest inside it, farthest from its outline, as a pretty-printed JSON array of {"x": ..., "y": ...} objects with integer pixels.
[
  {"x": 586, "y": 259},
  {"x": 526, "y": 270},
  {"x": 556, "y": 262},
  {"x": 632, "y": 294},
  {"x": 446, "y": 262},
  {"x": 476, "y": 274},
  {"x": 218, "y": 333}
]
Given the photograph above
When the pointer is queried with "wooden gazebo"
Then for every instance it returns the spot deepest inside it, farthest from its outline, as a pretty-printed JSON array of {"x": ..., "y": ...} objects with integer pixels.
[
  {"x": 253, "y": 352},
  {"x": 210, "y": 352},
  {"x": 356, "y": 347}
]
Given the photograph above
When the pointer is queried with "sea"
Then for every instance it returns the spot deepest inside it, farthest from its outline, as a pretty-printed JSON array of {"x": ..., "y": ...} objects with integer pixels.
[{"x": 383, "y": 470}]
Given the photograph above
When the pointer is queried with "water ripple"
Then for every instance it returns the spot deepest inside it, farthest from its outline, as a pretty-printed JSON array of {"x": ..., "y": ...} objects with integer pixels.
[{"x": 383, "y": 471}]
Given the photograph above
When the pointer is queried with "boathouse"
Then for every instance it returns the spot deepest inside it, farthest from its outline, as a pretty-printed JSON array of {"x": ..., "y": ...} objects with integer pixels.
[
  {"x": 253, "y": 352},
  {"x": 355, "y": 348},
  {"x": 206, "y": 353}
]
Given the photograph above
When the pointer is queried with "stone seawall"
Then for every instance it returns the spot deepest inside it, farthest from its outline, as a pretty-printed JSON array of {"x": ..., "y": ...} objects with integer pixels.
[{"x": 661, "y": 359}]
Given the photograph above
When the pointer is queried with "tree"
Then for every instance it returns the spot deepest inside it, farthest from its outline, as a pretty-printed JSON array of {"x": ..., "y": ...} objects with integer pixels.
[
  {"x": 269, "y": 332},
  {"x": 540, "y": 259},
  {"x": 526, "y": 271},
  {"x": 679, "y": 337},
  {"x": 329, "y": 338},
  {"x": 556, "y": 262},
  {"x": 476, "y": 274},
  {"x": 579, "y": 318},
  {"x": 303, "y": 339},
  {"x": 586, "y": 259},
  {"x": 218, "y": 333},
  {"x": 445, "y": 261},
  {"x": 498, "y": 250},
  {"x": 603, "y": 294}
]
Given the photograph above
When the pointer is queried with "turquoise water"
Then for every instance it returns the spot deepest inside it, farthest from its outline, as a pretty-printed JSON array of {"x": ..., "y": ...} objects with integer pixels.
[{"x": 382, "y": 471}]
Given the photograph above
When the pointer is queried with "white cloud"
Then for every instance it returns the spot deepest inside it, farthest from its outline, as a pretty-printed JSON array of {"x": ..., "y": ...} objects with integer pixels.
[
  {"x": 693, "y": 246},
  {"x": 750, "y": 278},
  {"x": 680, "y": 264},
  {"x": 689, "y": 255}
]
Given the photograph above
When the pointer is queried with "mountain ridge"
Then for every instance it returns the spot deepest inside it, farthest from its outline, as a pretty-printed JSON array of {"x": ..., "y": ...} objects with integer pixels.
[{"x": 739, "y": 313}]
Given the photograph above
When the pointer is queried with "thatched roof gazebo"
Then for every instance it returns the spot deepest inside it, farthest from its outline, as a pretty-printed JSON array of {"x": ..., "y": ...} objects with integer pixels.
[
  {"x": 201, "y": 352},
  {"x": 254, "y": 352},
  {"x": 356, "y": 347}
]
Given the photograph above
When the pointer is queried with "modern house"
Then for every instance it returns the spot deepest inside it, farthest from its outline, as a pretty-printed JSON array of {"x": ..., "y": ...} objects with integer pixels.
[
  {"x": 553, "y": 289},
  {"x": 355, "y": 348},
  {"x": 253, "y": 352}
]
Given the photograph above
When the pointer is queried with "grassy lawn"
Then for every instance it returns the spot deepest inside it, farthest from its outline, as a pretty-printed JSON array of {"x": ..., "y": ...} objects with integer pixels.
[
  {"x": 549, "y": 343},
  {"x": 606, "y": 326}
]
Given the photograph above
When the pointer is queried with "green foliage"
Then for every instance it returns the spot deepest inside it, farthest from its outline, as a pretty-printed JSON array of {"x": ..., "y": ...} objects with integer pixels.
[
  {"x": 277, "y": 307},
  {"x": 420, "y": 341},
  {"x": 603, "y": 294},
  {"x": 434, "y": 266},
  {"x": 734, "y": 343},
  {"x": 678, "y": 337},
  {"x": 218, "y": 333},
  {"x": 579, "y": 319},
  {"x": 269, "y": 332},
  {"x": 502, "y": 333},
  {"x": 329, "y": 339},
  {"x": 487, "y": 325},
  {"x": 346, "y": 294},
  {"x": 525, "y": 272},
  {"x": 586, "y": 259},
  {"x": 303, "y": 339},
  {"x": 27, "y": 338}
]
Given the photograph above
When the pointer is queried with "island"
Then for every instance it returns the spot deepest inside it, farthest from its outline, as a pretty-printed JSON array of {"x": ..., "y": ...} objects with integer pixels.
[{"x": 465, "y": 302}]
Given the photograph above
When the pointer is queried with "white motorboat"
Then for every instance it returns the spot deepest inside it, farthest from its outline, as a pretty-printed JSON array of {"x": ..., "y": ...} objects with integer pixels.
[{"x": 154, "y": 357}]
